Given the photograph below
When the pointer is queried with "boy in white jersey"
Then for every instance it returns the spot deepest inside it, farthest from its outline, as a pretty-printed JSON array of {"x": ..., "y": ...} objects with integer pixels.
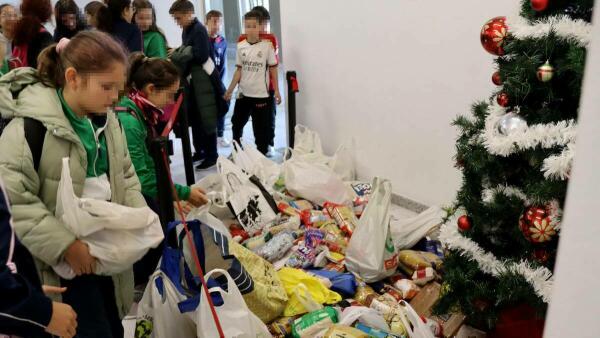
[{"x": 256, "y": 66}]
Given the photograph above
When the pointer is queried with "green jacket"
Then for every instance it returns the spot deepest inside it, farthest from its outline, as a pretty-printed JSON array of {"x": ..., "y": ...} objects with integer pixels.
[
  {"x": 33, "y": 194},
  {"x": 137, "y": 134},
  {"x": 155, "y": 45},
  {"x": 199, "y": 92}
]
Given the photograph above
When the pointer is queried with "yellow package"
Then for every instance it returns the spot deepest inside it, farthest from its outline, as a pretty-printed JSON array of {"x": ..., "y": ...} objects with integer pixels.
[
  {"x": 340, "y": 331},
  {"x": 416, "y": 260},
  {"x": 304, "y": 290},
  {"x": 268, "y": 298}
]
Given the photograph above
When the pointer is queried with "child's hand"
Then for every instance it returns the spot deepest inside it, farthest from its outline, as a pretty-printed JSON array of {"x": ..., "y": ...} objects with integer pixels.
[
  {"x": 79, "y": 258},
  {"x": 63, "y": 322},
  {"x": 197, "y": 197},
  {"x": 277, "y": 98},
  {"x": 185, "y": 207},
  {"x": 50, "y": 290},
  {"x": 227, "y": 96}
]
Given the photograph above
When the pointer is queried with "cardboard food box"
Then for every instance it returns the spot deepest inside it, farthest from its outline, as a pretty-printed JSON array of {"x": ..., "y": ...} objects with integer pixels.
[{"x": 424, "y": 302}]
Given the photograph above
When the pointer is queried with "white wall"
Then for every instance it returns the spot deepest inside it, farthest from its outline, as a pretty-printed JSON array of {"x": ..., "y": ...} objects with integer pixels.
[
  {"x": 392, "y": 74},
  {"x": 574, "y": 309}
]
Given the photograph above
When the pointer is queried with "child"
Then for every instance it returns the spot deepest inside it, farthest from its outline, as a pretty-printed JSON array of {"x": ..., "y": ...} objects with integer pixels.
[
  {"x": 155, "y": 43},
  {"x": 65, "y": 115},
  {"x": 193, "y": 58},
  {"x": 8, "y": 18},
  {"x": 265, "y": 34},
  {"x": 121, "y": 15},
  {"x": 30, "y": 35},
  {"x": 68, "y": 20},
  {"x": 24, "y": 309},
  {"x": 253, "y": 57},
  {"x": 154, "y": 83},
  {"x": 94, "y": 11},
  {"x": 218, "y": 46}
]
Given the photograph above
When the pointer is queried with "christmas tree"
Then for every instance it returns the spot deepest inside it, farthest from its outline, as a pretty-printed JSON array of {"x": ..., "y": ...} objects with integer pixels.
[{"x": 515, "y": 153}]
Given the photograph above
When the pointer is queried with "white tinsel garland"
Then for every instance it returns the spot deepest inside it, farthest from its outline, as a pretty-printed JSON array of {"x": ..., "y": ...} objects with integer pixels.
[
  {"x": 488, "y": 194},
  {"x": 539, "y": 278},
  {"x": 576, "y": 31},
  {"x": 546, "y": 136},
  {"x": 558, "y": 167}
]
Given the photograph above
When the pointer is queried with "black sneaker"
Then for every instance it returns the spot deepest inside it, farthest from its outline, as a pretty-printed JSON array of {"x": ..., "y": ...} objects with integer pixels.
[
  {"x": 197, "y": 157},
  {"x": 206, "y": 164}
]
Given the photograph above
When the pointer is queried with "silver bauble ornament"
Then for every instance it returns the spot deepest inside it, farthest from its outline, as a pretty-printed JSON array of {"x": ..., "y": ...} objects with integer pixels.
[{"x": 511, "y": 123}]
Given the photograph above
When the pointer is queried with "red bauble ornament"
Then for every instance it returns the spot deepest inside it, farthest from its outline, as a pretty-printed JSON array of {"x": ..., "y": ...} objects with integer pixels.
[
  {"x": 536, "y": 225},
  {"x": 541, "y": 255},
  {"x": 502, "y": 99},
  {"x": 464, "y": 223},
  {"x": 493, "y": 35},
  {"x": 539, "y": 5},
  {"x": 496, "y": 79}
]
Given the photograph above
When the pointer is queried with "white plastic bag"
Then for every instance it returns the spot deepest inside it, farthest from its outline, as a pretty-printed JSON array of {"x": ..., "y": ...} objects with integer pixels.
[
  {"x": 342, "y": 162},
  {"x": 246, "y": 200},
  {"x": 158, "y": 313},
  {"x": 234, "y": 316},
  {"x": 413, "y": 323},
  {"x": 306, "y": 141},
  {"x": 253, "y": 162},
  {"x": 215, "y": 191},
  {"x": 371, "y": 253},
  {"x": 367, "y": 316},
  {"x": 407, "y": 232},
  {"x": 314, "y": 182},
  {"x": 117, "y": 236},
  {"x": 203, "y": 215}
]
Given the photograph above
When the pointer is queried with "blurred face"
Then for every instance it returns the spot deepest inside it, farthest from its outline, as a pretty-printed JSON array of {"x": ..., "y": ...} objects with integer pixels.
[
  {"x": 69, "y": 21},
  {"x": 161, "y": 97},
  {"x": 143, "y": 18},
  {"x": 128, "y": 13},
  {"x": 252, "y": 29},
  {"x": 96, "y": 92},
  {"x": 265, "y": 26},
  {"x": 8, "y": 18},
  {"x": 91, "y": 21},
  {"x": 183, "y": 19},
  {"x": 214, "y": 25}
]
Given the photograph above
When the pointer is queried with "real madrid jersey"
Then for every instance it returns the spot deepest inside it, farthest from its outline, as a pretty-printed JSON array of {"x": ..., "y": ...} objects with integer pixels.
[{"x": 255, "y": 60}]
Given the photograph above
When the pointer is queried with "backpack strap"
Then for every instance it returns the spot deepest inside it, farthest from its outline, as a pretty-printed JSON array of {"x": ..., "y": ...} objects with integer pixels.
[{"x": 35, "y": 133}]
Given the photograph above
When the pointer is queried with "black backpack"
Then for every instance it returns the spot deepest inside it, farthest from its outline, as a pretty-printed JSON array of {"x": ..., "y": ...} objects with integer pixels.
[{"x": 35, "y": 132}]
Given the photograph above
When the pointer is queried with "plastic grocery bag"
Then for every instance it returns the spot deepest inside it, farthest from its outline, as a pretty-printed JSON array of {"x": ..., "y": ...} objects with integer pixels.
[
  {"x": 342, "y": 162},
  {"x": 367, "y": 316},
  {"x": 245, "y": 198},
  {"x": 343, "y": 283},
  {"x": 215, "y": 191},
  {"x": 407, "y": 232},
  {"x": 203, "y": 215},
  {"x": 306, "y": 141},
  {"x": 413, "y": 323},
  {"x": 314, "y": 182},
  {"x": 116, "y": 235},
  {"x": 236, "y": 320},
  {"x": 158, "y": 313},
  {"x": 304, "y": 291},
  {"x": 371, "y": 253},
  {"x": 253, "y": 162}
]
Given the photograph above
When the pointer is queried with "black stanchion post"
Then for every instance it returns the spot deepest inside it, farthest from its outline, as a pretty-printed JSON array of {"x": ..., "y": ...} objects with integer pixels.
[
  {"x": 158, "y": 147},
  {"x": 184, "y": 133},
  {"x": 292, "y": 89}
]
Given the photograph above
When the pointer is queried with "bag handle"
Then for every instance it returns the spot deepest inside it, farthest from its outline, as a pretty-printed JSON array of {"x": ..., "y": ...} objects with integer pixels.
[
  {"x": 419, "y": 329},
  {"x": 232, "y": 288}
]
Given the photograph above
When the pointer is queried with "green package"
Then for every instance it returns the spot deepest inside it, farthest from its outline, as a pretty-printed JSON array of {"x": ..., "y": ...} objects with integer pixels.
[{"x": 311, "y": 323}]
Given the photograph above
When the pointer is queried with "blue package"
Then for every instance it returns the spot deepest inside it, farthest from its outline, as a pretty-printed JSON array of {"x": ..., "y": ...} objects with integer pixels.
[{"x": 343, "y": 283}]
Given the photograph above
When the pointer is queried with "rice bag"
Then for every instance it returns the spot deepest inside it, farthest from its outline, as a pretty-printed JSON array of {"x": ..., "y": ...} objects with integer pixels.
[{"x": 416, "y": 260}]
